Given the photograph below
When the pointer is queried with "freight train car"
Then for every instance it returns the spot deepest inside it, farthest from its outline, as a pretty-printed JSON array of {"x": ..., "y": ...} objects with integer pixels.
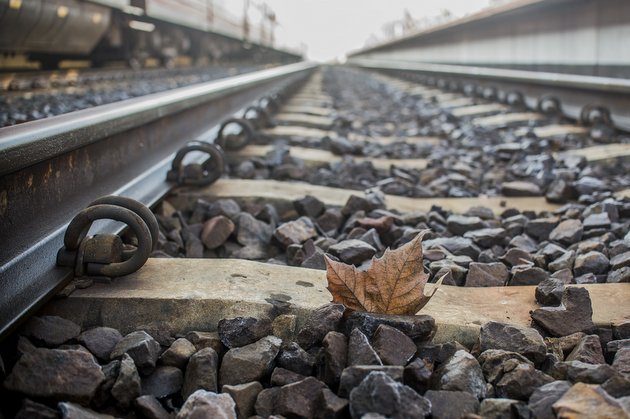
[{"x": 135, "y": 30}]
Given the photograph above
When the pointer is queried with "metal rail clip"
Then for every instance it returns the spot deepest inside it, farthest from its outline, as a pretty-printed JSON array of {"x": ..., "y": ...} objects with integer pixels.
[
  {"x": 105, "y": 254},
  {"x": 235, "y": 141},
  {"x": 195, "y": 174},
  {"x": 257, "y": 116},
  {"x": 595, "y": 114}
]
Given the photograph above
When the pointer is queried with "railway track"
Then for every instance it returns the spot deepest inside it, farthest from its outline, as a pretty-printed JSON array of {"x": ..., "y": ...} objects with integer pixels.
[
  {"x": 32, "y": 96},
  {"x": 513, "y": 198}
]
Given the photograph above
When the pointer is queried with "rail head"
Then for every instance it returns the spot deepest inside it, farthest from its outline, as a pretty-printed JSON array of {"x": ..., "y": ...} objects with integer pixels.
[
  {"x": 574, "y": 92},
  {"x": 572, "y": 81},
  {"x": 33, "y": 142}
]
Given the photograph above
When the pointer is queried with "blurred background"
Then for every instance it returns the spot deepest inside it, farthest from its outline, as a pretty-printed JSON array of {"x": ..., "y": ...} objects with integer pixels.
[{"x": 47, "y": 34}]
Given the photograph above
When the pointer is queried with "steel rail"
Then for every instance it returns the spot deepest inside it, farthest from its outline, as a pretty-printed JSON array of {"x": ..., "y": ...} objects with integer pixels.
[
  {"x": 573, "y": 91},
  {"x": 54, "y": 167},
  {"x": 26, "y": 144}
]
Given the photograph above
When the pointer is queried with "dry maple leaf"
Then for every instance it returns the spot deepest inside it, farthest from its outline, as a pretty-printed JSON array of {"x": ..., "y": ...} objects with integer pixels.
[{"x": 393, "y": 284}]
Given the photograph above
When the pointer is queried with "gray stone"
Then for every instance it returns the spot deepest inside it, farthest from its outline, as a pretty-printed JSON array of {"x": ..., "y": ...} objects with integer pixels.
[
  {"x": 519, "y": 380},
  {"x": 565, "y": 261},
  {"x": 56, "y": 374},
  {"x": 178, "y": 353},
  {"x": 617, "y": 386},
  {"x": 241, "y": 331},
  {"x": 206, "y": 404},
  {"x": 450, "y": 268},
  {"x": 486, "y": 275},
  {"x": 335, "y": 346},
  {"x": 295, "y": 232},
  {"x": 542, "y": 399},
  {"x": 244, "y": 396},
  {"x": 163, "y": 382},
  {"x": 330, "y": 406},
  {"x": 127, "y": 386},
  {"x": 100, "y": 341},
  {"x": 417, "y": 375},
  {"x": 487, "y": 237},
  {"x": 360, "y": 352},
  {"x": 577, "y": 371},
  {"x": 549, "y": 292},
  {"x": 353, "y": 252},
  {"x": 567, "y": 232},
  {"x": 460, "y": 224},
  {"x": 620, "y": 261},
  {"x": 379, "y": 393},
  {"x": 451, "y": 404},
  {"x": 201, "y": 372},
  {"x": 564, "y": 275},
  {"x": 309, "y": 206},
  {"x": 205, "y": 340},
  {"x": 352, "y": 376},
  {"x": 614, "y": 345},
  {"x": 298, "y": 400},
  {"x": 419, "y": 327},
  {"x": 51, "y": 330},
  {"x": 294, "y": 358},
  {"x": 493, "y": 361},
  {"x": 249, "y": 363},
  {"x": 330, "y": 220},
  {"x": 523, "y": 242},
  {"x": 523, "y": 340},
  {"x": 621, "y": 329},
  {"x": 588, "y": 278},
  {"x": 540, "y": 228},
  {"x": 141, "y": 347},
  {"x": 498, "y": 408},
  {"x": 252, "y": 232},
  {"x": 282, "y": 377},
  {"x": 520, "y": 188},
  {"x": 527, "y": 275},
  {"x": 588, "y": 350},
  {"x": 34, "y": 410},
  {"x": 266, "y": 401},
  {"x": 591, "y": 262},
  {"x": 456, "y": 245},
  {"x": 516, "y": 256},
  {"x": 321, "y": 321},
  {"x": 461, "y": 372},
  {"x": 619, "y": 276},
  {"x": 393, "y": 346},
  {"x": 149, "y": 407},
  {"x": 75, "y": 411},
  {"x": 103, "y": 395},
  {"x": 600, "y": 220},
  {"x": 622, "y": 361},
  {"x": 574, "y": 314}
]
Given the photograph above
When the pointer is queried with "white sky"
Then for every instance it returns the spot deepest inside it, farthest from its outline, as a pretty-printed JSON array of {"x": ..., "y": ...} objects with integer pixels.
[{"x": 331, "y": 28}]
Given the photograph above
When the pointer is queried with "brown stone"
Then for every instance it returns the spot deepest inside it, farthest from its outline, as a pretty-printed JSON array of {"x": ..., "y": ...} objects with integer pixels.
[
  {"x": 56, "y": 374},
  {"x": 587, "y": 401},
  {"x": 216, "y": 231}
]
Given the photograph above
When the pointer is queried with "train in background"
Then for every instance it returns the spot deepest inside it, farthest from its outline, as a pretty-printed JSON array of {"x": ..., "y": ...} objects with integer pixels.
[{"x": 135, "y": 31}]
